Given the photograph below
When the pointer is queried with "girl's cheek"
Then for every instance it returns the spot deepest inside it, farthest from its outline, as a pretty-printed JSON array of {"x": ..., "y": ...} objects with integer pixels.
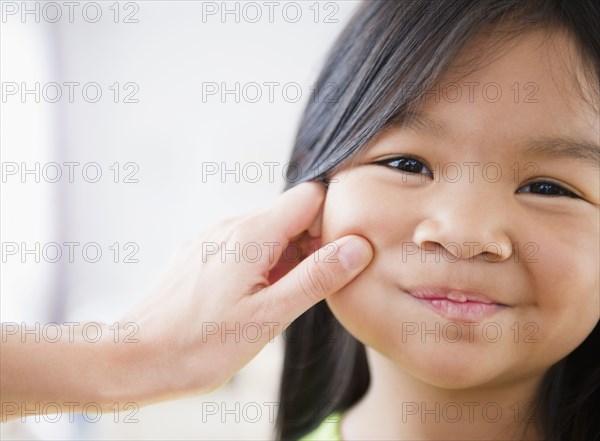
[
  {"x": 343, "y": 212},
  {"x": 358, "y": 204}
]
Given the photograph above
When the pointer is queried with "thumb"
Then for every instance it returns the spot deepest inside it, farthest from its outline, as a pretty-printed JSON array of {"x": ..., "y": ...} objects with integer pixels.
[{"x": 322, "y": 273}]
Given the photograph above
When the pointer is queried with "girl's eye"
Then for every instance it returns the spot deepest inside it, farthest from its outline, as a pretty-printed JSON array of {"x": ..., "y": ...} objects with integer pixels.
[
  {"x": 546, "y": 189},
  {"x": 411, "y": 165},
  {"x": 406, "y": 164}
]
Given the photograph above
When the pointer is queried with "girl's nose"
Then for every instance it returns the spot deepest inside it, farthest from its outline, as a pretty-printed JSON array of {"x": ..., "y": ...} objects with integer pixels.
[{"x": 466, "y": 226}]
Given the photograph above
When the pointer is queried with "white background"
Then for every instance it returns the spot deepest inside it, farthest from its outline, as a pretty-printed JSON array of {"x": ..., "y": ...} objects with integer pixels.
[{"x": 171, "y": 52}]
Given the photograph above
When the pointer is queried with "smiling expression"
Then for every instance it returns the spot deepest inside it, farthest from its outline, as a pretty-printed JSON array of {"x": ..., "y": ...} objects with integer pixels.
[{"x": 483, "y": 211}]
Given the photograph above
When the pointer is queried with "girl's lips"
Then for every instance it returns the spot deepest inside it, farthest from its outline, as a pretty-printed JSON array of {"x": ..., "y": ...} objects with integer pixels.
[
  {"x": 453, "y": 304},
  {"x": 462, "y": 311}
]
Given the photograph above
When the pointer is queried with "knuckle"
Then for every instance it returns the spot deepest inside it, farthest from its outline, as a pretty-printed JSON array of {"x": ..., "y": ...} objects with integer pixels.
[
  {"x": 228, "y": 222},
  {"x": 217, "y": 231},
  {"x": 239, "y": 228},
  {"x": 267, "y": 311},
  {"x": 316, "y": 281},
  {"x": 228, "y": 225}
]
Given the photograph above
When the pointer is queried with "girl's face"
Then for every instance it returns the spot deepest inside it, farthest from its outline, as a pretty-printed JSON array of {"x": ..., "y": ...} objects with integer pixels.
[{"x": 493, "y": 189}]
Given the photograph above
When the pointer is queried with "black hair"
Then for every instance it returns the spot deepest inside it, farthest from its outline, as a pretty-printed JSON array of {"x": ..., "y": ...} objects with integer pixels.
[{"x": 386, "y": 58}]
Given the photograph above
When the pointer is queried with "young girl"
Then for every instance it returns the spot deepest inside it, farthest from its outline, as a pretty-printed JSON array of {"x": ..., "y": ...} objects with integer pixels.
[{"x": 462, "y": 142}]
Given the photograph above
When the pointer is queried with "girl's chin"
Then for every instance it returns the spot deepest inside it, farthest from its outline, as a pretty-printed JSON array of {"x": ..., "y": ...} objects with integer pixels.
[
  {"x": 449, "y": 376},
  {"x": 447, "y": 366}
]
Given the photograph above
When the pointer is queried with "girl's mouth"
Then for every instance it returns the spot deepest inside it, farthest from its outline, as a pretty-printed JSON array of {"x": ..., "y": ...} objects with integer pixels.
[{"x": 457, "y": 305}]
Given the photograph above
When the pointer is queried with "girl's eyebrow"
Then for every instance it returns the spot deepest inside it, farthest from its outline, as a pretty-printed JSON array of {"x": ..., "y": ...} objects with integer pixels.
[
  {"x": 559, "y": 147},
  {"x": 564, "y": 147},
  {"x": 423, "y": 123}
]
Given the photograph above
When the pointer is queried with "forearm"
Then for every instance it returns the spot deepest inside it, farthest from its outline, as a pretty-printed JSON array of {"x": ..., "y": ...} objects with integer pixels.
[{"x": 73, "y": 372}]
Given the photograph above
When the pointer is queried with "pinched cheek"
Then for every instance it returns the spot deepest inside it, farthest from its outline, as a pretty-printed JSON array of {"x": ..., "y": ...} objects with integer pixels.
[
  {"x": 336, "y": 225},
  {"x": 352, "y": 210},
  {"x": 360, "y": 223}
]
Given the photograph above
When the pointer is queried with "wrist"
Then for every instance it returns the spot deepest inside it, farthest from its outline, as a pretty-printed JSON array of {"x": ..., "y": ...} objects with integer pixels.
[
  {"x": 137, "y": 366},
  {"x": 119, "y": 364}
]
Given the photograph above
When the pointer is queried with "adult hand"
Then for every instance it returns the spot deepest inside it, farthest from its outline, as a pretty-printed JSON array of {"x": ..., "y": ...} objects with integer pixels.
[{"x": 229, "y": 293}]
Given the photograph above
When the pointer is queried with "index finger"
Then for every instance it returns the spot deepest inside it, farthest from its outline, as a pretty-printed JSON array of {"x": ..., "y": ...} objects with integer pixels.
[{"x": 293, "y": 212}]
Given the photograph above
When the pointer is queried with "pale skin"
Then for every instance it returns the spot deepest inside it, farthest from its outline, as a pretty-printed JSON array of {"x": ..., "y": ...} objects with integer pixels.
[
  {"x": 550, "y": 288},
  {"x": 175, "y": 354}
]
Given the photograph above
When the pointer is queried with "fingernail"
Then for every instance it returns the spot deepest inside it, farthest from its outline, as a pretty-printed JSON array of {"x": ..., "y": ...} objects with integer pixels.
[{"x": 353, "y": 254}]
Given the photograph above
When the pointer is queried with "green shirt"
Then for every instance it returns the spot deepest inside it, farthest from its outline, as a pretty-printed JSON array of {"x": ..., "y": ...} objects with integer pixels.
[{"x": 328, "y": 430}]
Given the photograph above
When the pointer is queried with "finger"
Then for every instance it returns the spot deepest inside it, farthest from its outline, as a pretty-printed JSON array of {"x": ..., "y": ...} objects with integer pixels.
[
  {"x": 324, "y": 272},
  {"x": 293, "y": 212},
  {"x": 315, "y": 229},
  {"x": 294, "y": 253}
]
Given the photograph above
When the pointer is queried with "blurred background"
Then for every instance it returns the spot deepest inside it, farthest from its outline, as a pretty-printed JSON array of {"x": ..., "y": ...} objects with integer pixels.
[{"x": 127, "y": 128}]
